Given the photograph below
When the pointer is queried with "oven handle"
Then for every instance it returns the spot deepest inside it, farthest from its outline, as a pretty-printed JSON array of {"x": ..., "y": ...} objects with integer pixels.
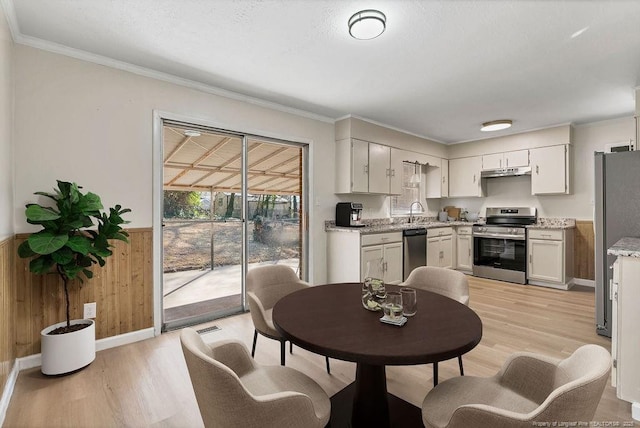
[{"x": 499, "y": 236}]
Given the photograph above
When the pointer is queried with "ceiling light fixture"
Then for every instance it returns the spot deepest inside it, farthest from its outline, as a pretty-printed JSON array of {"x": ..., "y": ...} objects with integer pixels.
[
  {"x": 496, "y": 125},
  {"x": 191, "y": 133},
  {"x": 367, "y": 24}
]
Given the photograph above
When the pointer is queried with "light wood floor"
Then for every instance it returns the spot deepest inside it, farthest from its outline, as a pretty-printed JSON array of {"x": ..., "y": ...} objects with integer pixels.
[{"x": 146, "y": 383}]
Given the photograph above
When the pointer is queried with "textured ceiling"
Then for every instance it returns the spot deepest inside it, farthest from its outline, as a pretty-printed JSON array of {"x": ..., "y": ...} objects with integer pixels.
[{"x": 439, "y": 71}]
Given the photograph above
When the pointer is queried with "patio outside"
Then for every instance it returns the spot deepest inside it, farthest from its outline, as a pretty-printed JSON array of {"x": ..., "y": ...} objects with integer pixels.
[{"x": 201, "y": 262}]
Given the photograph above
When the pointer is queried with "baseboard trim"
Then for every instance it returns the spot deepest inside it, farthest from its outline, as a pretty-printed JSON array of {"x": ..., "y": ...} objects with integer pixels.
[
  {"x": 124, "y": 339},
  {"x": 7, "y": 392},
  {"x": 585, "y": 282},
  {"x": 35, "y": 360}
]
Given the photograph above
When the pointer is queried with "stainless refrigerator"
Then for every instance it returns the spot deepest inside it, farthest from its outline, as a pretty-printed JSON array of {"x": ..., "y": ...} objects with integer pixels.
[{"x": 617, "y": 214}]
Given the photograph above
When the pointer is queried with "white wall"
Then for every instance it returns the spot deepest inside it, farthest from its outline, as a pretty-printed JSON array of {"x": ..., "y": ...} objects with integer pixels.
[
  {"x": 6, "y": 120},
  {"x": 516, "y": 191},
  {"x": 92, "y": 124}
]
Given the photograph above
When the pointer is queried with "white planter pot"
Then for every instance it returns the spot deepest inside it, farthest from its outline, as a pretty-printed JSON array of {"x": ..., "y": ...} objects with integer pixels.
[{"x": 64, "y": 353}]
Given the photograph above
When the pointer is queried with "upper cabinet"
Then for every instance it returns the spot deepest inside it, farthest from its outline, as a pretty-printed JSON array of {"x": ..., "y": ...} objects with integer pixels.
[
  {"x": 550, "y": 170},
  {"x": 518, "y": 158},
  {"x": 363, "y": 167},
  {"x": 437, "y": 177},
  {"x": 464, "y": 177}
]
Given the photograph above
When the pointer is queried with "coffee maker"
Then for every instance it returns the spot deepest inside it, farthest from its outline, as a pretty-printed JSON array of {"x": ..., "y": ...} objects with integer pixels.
[{"x": 348, "y": 214}]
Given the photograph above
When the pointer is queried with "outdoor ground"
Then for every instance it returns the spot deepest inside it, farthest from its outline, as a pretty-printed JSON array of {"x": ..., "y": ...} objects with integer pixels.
[{"x": 187, "y": 244}]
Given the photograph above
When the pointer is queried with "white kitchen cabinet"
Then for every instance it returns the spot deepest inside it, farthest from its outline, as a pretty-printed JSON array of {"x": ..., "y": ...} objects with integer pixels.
[
  {"x": 625, "y": 347},
  {"x": 518, "y": 158},
  {"x": 464, "y": 249},
  {"x": 364, "y": 167},
  {"x": 396, "y": 157},
  {"x": 444, "y": 179},
  {"x": 550, "y": 261},
  {"x": 391, "y": 256},
  {"x": 464, "y": 177},
  {"x": 550, "y": 170},
  {"x": 437, "y": 178},
  {"x": 440, "y": 247},
  {"x": 349, "y": 251}
]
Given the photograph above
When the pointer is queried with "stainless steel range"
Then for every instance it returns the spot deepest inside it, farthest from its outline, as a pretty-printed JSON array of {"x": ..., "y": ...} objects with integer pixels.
[{"x": 500, "y": 245}]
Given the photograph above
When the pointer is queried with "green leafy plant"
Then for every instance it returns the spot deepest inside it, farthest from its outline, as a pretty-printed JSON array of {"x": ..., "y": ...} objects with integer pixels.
[{"x": 68, "y": 241}]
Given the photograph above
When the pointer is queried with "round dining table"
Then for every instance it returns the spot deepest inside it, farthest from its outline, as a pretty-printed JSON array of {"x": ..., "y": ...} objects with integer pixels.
[{"x": 330, "y": 320}]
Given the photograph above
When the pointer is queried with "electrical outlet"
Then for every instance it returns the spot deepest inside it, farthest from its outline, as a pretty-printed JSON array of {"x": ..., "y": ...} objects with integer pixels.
[{"x": 90, "y": 310}]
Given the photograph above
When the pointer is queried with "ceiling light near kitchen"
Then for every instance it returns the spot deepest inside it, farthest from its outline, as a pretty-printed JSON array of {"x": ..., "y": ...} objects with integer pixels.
[
  {"x": 367, "y": 24},
  {"x": 496, "y": 125}
]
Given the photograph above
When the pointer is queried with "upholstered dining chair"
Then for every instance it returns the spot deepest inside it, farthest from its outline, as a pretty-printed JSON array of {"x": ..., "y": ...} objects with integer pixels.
[
  {"x": 232, "y": 390},
  {"x": 447, "y": 282},
  {"x": 529, "y": 390},
  {"x": 265, "y": 286}
]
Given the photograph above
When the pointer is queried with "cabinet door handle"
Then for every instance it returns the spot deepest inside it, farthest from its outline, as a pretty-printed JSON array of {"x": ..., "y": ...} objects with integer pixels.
[
  {"x": 530, "y": 254},
  {"x": 500, "y": 163},
  {"x": 443, "y": 179},
  {"x": 474, "y": 178},
  {"x": 469, "y": 252},
  {"x": 393, "y": 172},
  {"x": 366, "y": 169},
  {"x": 507, "y": 162},
  {"x": 537, "y": 169}
]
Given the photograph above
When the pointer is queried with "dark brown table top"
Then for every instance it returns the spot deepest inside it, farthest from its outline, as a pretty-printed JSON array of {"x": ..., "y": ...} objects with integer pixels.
[{"x": 330, "y": 320}]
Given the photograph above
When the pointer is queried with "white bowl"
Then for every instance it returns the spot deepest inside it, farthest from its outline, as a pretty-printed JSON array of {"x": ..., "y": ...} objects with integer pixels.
[{"x": 473, "y": 216}]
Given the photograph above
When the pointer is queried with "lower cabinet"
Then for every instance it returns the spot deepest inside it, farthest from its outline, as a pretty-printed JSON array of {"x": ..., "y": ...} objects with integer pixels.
[
  {"x": 349, "y": 251},
  {"x": 550, "y": 261},
  {"x": 464, "y": 249},
  {"x": 625, "y": 347},
  {"x": 440, "y": 247},
  {"x": 382, "y": 259}
]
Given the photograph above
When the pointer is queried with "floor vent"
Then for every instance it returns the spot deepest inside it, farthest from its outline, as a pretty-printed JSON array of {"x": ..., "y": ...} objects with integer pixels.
[{"x": 208, "y": 329}]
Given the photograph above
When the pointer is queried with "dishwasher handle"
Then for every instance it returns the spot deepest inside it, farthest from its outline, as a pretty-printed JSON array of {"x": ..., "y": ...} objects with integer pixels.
[{"x": 414, "y": 232}]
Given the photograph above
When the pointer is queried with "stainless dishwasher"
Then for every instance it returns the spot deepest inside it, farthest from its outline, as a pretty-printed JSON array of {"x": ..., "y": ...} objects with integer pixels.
[{"x": 414, "y": 250}]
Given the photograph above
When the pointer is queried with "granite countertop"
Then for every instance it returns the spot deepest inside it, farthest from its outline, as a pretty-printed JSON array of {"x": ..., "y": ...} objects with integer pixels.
[
  {"x": 629, "y": 247},
  {"x": 387, "y": 225},
  {"x": 554, "y": 223},
  {"x": 399, "y": 224}
]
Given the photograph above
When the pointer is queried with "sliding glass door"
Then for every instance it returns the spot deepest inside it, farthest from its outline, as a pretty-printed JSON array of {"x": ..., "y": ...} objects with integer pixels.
[{"x": 231, "y": 201}]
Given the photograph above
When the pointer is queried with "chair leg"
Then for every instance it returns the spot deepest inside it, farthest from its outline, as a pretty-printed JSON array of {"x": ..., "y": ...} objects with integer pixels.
[
  {"x": 283, "y": 351},
  {"x": 460, "y": 364},
  {"x": 328, "y": 368},
  {"x": 255, "y": 339},
  {"x": 435, "y": 374}
]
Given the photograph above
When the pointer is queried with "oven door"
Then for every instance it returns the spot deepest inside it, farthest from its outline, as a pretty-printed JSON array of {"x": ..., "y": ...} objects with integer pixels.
[{"x": 504, "y": 259}]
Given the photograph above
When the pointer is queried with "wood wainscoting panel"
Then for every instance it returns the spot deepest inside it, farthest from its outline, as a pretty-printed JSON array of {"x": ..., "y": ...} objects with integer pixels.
[
  {"x": 7, "y": 310},
  {"x": 584, "y": 250},
  {"x": 122, "y": 289}
]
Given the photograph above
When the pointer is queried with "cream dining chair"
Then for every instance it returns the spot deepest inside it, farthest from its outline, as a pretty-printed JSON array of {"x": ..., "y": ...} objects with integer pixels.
[
  {"x": 265, "y": 286},
  {"x": 447, "y": 282},
  {"x": 529, "y": 390},
  {"x": 233, "y": 391}
]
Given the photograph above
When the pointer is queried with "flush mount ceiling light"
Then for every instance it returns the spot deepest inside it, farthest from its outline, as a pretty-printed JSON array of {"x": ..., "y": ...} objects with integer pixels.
[
  {"x": 367, "y": 24},
  {"x": 191, "y": 133},
  {"x": 496, "y": 125}
]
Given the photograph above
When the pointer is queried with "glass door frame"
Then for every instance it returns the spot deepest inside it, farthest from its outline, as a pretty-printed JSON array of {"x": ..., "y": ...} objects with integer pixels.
[{"x": 159, "y": 120}]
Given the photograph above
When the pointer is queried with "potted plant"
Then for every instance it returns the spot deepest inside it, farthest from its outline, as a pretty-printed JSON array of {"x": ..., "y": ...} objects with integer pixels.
[{"x": 68, "y": 245}]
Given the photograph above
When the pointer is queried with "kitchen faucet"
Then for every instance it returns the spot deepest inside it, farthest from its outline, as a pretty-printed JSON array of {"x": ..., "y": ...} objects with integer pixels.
[{"x": 411, "y": 210}]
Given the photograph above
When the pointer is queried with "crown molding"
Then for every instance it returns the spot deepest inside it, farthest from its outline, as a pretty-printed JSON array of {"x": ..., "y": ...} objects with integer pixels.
[
  {"x": 384, "y": 125},
  {"x": 57, "y": 48}
]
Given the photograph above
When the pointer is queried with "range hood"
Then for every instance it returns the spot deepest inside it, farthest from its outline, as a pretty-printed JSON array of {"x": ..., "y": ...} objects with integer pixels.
[{"x": 506, "y": 172}]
